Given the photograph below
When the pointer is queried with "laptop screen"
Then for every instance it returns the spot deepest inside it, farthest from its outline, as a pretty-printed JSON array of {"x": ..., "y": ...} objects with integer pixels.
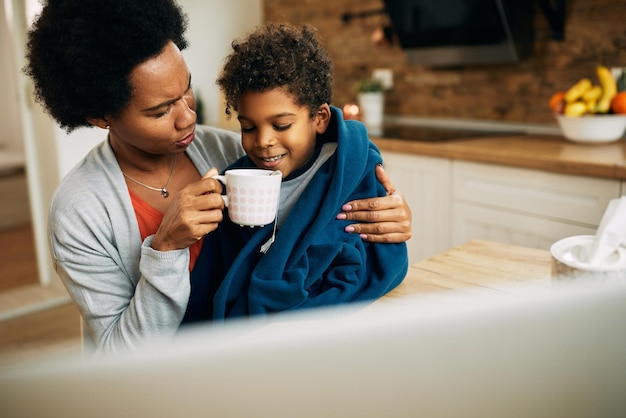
[{"x": 531, "y": 353}]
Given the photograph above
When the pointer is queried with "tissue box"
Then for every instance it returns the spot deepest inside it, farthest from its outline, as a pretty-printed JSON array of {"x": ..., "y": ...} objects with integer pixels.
[{"x": 569, "y": 261}]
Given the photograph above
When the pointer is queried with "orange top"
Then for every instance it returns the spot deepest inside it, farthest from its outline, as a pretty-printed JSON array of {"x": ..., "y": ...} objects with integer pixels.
[{"x": 149, "y": 220}]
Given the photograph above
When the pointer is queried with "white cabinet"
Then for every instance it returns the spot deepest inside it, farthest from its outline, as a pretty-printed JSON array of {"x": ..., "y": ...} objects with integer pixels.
[
  {"x": 495, "y": 224},
  {"x": 425, "y": 184},
  {"x": 453, "y": 202},
  {"x": 525, "y": 207}
]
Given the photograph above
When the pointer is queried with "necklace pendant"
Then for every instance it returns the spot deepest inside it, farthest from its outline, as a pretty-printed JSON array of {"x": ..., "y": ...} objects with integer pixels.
[{"x": 163, "y": 190}]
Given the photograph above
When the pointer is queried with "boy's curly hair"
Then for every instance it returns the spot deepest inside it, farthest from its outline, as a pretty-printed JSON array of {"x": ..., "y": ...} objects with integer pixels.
[
  {"x": 278, "y": 55},
  {"x": 80, "y": 53}
]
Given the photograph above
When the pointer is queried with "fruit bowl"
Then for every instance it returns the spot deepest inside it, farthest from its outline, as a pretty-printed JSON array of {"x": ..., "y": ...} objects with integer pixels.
[{"x": 592, "y": 129}]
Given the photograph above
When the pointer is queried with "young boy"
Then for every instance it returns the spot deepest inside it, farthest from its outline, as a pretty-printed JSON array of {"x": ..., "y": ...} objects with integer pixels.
[{"x": 278, "y": 81}]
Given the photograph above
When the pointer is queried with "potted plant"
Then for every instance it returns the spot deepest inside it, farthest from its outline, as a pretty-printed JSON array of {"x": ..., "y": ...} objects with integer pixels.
[
  {"x": 371, "y": 100},
  {"x": 370, "y": 85}
]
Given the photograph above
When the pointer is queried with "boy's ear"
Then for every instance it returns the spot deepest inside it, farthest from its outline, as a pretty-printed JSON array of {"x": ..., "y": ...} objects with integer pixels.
[
  {"x": 99, "y": 122},
  {"x": 322, "y": 118}
]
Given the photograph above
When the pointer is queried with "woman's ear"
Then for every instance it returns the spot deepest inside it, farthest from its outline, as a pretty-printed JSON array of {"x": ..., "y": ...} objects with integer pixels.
[
  {"x": 99, "y": 122},
  {"x": 322, "y": 118}
]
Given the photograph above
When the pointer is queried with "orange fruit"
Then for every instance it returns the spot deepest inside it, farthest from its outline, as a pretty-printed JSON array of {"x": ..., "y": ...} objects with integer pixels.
[
  {"x": 556, "y": 102},
  {"x": 618, "y": 103}
]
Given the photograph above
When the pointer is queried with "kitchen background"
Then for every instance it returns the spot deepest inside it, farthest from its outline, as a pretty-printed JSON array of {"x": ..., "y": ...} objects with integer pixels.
[{"x": 595, "y": 33}]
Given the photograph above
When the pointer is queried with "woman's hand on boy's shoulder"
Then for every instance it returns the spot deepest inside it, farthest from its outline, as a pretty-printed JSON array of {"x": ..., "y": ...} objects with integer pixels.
[{"x": 379, "y": 219}]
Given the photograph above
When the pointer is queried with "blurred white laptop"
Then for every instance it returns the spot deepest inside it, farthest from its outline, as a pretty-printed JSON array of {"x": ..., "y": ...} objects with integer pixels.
[{"x": 559, "y": 353}]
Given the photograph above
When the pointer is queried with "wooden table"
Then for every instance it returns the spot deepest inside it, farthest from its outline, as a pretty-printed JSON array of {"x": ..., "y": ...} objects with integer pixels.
[{"x": 475, "y": 266}]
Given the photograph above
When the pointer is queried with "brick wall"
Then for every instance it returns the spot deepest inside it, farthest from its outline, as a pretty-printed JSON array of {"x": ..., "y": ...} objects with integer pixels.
[{"x": 595, "y": 33}]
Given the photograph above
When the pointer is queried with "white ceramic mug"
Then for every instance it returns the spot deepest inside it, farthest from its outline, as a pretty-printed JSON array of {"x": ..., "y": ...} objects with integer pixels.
[{"x": 251, "y": 195}]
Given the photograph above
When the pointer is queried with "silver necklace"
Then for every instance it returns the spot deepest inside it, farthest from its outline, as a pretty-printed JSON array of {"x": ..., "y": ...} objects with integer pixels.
[{"x": 163, "y": 190}]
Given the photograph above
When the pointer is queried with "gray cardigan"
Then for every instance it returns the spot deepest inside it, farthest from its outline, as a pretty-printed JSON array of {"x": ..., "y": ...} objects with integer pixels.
[{"x": 125, "y": 292}]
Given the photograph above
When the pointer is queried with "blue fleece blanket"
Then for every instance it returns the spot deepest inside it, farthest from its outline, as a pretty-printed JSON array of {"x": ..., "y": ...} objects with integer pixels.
[{"x": 313, "y": 261}]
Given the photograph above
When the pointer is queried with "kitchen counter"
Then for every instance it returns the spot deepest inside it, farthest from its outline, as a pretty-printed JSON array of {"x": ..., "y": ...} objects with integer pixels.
[
  {"x": 545, "y": 152},
  {"x": 475, "y": 266}
]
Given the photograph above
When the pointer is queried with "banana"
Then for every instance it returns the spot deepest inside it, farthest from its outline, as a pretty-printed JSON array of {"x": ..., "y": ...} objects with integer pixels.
[
  {"x": 577, "y": 108},
  {"x": 609, "y": 89},
  {"x": 577, "y": 90},
  {"x": 593, "y": 94}
]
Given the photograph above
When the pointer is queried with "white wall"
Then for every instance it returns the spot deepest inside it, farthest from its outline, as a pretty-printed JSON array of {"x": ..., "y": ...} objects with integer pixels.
[
  {"x": 213, "y": 24},
  {"x": 11, "y": 130}
]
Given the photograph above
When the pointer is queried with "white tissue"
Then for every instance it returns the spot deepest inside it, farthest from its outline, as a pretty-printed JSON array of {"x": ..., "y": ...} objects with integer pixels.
[{"x": 611, "y": 233}]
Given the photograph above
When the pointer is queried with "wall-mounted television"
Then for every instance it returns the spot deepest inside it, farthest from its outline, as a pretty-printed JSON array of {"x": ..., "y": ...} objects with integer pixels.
[{"x": 463, "y": 32}]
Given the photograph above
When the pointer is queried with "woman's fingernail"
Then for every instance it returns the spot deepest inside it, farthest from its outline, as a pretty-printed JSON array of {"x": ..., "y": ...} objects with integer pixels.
[
  {"x": 349, "y": 228},
  {"x": 346, "y": 207},
  {"x": 342, "y": 216}
]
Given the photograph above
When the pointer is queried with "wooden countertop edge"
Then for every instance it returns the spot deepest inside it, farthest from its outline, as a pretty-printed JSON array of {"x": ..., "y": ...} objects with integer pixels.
[{"x": 475, "y": 150}]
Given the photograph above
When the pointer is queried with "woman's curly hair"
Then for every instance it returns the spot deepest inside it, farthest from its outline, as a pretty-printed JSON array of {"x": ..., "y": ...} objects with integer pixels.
[
  {"x": 80, "y": 53},
  {"x": 278, "y": 55}
]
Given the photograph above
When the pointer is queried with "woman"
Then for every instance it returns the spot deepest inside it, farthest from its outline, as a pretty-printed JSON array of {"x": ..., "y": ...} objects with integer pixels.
[{"x": 127, "y": 224}]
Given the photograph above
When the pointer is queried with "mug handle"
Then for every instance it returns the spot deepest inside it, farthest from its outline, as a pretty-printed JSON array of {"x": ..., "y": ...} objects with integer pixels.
[{"x": 222, "y": 179}]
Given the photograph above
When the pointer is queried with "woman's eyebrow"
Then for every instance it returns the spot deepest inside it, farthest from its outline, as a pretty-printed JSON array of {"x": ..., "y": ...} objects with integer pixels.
[{"x": 168, "y": 102}]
